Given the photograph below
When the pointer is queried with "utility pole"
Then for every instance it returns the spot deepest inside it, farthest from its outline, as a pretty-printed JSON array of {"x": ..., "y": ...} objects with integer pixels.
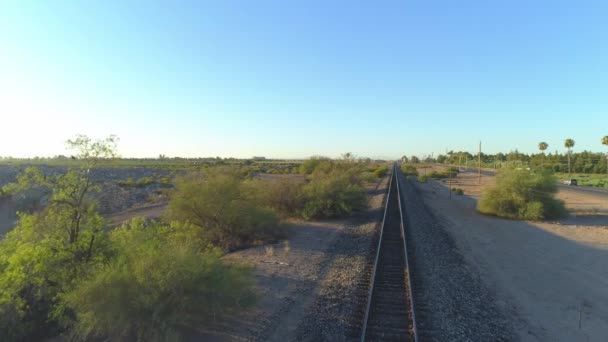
[{"x": 479, "y": 179}]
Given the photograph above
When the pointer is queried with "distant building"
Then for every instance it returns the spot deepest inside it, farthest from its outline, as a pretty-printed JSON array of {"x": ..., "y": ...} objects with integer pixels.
[{"x": 258, "y": 158}]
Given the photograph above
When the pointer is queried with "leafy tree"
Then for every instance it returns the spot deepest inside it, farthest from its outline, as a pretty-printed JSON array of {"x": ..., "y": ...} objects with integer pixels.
[
  {"x": 349, "y": 157},
  {"x": 542, "y": 146},
  {"x": 49, "y": 251},
  {"x": 569, "y": 144},
  {"x": 605, "y": 142}
]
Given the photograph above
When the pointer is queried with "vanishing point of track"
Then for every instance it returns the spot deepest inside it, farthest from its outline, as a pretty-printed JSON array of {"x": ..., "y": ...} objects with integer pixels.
[{"x": 389, "y": 315}]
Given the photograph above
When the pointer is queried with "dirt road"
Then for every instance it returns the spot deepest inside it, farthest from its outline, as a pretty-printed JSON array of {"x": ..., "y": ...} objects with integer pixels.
[{"x": 550, "y": 278}]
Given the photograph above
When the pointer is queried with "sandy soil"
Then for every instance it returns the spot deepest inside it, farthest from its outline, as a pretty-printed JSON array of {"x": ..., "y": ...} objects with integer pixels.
[
  {"x": 551, "y": 278},
  {"x": 290, "y": 277}
]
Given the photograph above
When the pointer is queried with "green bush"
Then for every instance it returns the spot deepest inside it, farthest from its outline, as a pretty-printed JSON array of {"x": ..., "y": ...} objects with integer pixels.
[
  {"x": 162, "y": 280},
  {"x": 283, "y": 195},
  {"x": 332, "y": 195},
  {"x": 126, "y": 183},
  {"x": 367, "y": 176},
  {"x": 409, "y": 169},
  {"x": 422, "y": 179},
  {"x": 310, "y": 165},
  {"x": 217, "y": 202},
  {"x": 443, "y": 174},
  {"x": 144, "y": 181},
  {"x": 380, "y": 171},
  {"x": 522, "y": 195}
]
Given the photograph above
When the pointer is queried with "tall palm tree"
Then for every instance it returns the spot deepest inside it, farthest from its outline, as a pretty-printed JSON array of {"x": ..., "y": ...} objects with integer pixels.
[
  {"x": 605, "y": 142},
  {"x": 543, "y": 146},
  {"x": 569, "y": 144}
]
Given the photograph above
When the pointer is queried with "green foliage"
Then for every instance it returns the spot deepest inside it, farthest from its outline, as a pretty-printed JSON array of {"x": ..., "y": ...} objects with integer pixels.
[
  {"x": 217, "y": 202},
  {"x": 446, "y": 173},
  {"x": 49, "y": 251},
  {"x": 310, "y": 165},
  {"x": 422, "y": 179},
  {"x": 332, "y": 195},
  {"x": 520, "y": 194},
  {"x": 30, "y": 192},
  {"x": 409, "y": 169},
  {"x": 140, "y": 183},
  {"x": 126, "y": 183},
  {"x": 144, "y": 181},
  {"x": 284, "y": 195},
  {"x": 162, "y": 279},
  {"x": 381, "y": 171},
  {"x": 333, "y": 189}
]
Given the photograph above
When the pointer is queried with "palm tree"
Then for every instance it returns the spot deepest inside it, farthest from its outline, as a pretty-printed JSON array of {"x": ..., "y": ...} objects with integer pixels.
[
  {"x": 569, "y": 144},
  {"x": 605, "y": 142},
  {"x": 543, "y": 146}
]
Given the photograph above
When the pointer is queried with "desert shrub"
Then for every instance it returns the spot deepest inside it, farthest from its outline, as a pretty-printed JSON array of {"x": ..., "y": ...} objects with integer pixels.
[
  {"x": 443, "y": 174},
  {"x": 165, "y": 181},
  {"x": 380, "y": 171},
  {"x": 367, "y": 176},
  {"x": 161, "y": 280},
  {"x": 522, "y": 195},
  {"x": 217, "y": 202},
  {"x": 310, "y": 165},
  {"x": 409, "y": 169},
  {"x": 144, "y": 181},
  {"x": 284, "y": 195},
  {"x": 332, "y": 195},
  {"x": 422, "y": 179},
  {"x": 126, "y": 183}
]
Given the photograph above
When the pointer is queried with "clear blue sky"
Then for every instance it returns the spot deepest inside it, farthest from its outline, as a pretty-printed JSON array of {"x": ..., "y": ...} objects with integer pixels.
[{"x": 294, "y": 79}]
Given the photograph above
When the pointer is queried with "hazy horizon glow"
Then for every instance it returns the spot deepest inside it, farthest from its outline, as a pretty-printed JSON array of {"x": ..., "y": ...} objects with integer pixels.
[{"x": 290, "y": 80}]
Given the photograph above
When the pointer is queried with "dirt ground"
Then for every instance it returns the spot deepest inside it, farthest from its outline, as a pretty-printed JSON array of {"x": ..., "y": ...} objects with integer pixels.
[
  {"x": 154, "y": 211},
  {"x": 550, "y": 277},
  {"x": 291, "y": 276},
  {"x": 8, "y": 218}
]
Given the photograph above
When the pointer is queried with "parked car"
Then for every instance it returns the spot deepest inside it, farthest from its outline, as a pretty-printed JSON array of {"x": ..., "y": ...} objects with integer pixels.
[{"x": 571, "y": 181}]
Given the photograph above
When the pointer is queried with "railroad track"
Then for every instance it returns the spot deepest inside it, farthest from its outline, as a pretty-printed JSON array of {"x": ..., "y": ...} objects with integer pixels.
[{"x": 389, "y": 315}]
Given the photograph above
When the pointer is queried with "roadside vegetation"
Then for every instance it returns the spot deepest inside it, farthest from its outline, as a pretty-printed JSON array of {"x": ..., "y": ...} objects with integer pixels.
[
  {"x": 521, "y": 194},
  {"x": 332, "y": 188},
  {"x": 63, "y": 272},
  {"x": 227, "y": 214},
  {"x": 409, "y": 170}
]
